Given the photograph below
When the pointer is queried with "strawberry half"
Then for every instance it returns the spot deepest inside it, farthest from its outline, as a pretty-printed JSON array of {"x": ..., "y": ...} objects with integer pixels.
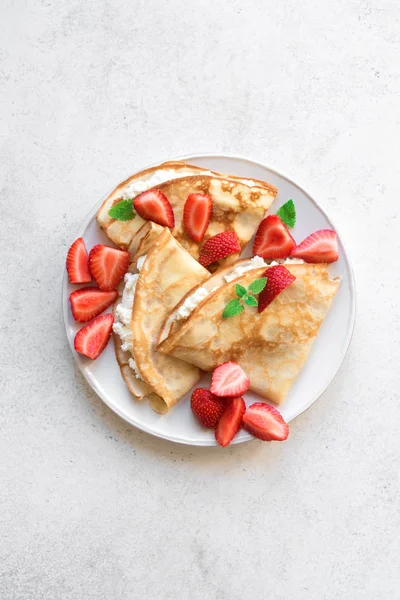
[
  {"x": 229, "y": 380},
  {"x": 230, "y": 422},
  {"x": 153, "y": 205},
  {"x": 87, "y": 303},
  {"x": 107, "y": 266},
  {"x": 265, "y": 422},
  {"x": 273, "y": 239},
  {"x": 319, "y": 247},
  {"x": 207, "y": 407},
  {"x": 219, "y": 246},
  {"x": 196, "y": 215},
  {"x": 77, "y": 263},
  {"x": 93, "y": 337},
  {"x": 278, "y": 278}
]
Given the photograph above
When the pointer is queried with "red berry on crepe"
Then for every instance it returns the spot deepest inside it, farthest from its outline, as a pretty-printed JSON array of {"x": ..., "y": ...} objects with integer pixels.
[
  {"x": 108, "y": 266},
  {"x": 88, "y": 303},
  {"x": 93, "y": 337},
  {"x": 273, "y": 239},
  {"x": 278, "y": 278},
  {"x": 229, "y": 380},
  {"x": 196, "y": 215},
  {"x": 319, "y": 247},
  {"x": 154, "y": 206},
  {"x": 219, "y": 246},
  {"x": 265, "y": 422},
  {"x": 207, "y": 407},
  {"x": 77, "y": 263},
  {"x": 230, "y": 422}
]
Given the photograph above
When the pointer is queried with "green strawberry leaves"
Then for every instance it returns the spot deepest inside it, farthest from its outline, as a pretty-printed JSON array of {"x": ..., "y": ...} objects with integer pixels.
[
  {"x": 235, "y": 306},
  {"x": 287, "y": 213},
  {"x": 122, "y": 211}
]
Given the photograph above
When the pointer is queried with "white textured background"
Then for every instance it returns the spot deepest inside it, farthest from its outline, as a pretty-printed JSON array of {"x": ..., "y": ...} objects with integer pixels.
[{"x": 89, "y": 92}]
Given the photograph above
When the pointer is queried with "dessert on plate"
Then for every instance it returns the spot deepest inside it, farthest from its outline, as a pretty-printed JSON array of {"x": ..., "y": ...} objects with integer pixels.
[{"x": 183, "y": 300}]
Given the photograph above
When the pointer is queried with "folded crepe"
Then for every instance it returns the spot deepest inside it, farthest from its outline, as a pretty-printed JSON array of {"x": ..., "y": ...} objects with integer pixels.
[
  {"x": 271, "y": 346},
  {"x": 239, "y": 204},
  {"x": 161, "y": 273}
]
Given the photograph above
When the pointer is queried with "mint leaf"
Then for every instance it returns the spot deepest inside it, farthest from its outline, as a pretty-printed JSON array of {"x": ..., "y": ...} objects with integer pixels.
[
  {"x": 258, "y": 285},
  {"x": 240, "y": 290},
  {"x": 122, "y": 211},
  {"x": 232, "y": 308},
  {"x": 251, "y": 301},
  {"x": 287, "y": 213}
]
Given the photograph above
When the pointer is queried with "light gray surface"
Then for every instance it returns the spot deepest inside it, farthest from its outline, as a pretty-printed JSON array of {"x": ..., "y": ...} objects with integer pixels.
[{"x": 89, "y": 507}]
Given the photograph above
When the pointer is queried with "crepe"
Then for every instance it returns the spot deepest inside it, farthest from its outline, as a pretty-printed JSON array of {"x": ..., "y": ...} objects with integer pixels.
[
  {"x": 271, "y": 346},
  {"x": 167, "y": 273},
  {"x": 239, "y": 204}
]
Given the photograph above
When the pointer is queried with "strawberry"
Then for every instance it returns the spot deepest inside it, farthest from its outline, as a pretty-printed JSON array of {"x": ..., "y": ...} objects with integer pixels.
[
  {"x": 87, "y": 303},
  {"x": 153, "y": 205},
  {"x": 265, "y": 422},
  {"x": 230, "y": 422},
  {"x": 196, "y": 215},
  {"x": 273, "y": 239},
  {"x": 219, "y": 246},
  {"x": 77, "y": 263},
  {"x": 319, "y": 247},
  {"x": 93, "y": 337},
  {"x": 107, "y": 266},
  {"x": 229, "y": 380},
  {"x": 207, "y": 407},
  {"x": 278, "y": 278}
]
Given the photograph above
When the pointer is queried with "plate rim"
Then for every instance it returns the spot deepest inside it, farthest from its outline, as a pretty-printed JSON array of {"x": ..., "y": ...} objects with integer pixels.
[{"x": 246, "y": 437}]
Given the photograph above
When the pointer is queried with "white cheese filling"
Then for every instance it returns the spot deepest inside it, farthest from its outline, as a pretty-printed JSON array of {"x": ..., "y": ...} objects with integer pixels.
[
  {"x": 158, "y": 177},
  {"x": 123, "y": 314}
]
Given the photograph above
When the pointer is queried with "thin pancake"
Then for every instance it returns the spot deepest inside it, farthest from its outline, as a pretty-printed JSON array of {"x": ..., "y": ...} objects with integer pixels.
[{"x": 272, "y": 346}]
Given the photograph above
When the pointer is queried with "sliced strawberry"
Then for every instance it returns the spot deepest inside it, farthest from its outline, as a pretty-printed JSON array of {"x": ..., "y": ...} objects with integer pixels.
[
  {"x": 196, "y": 215},
  {"x": 93, "y": 337},
  {"x": 229, "y": 380},
  {"x": 278, "y": 278},
  {"x": 219, "y": 246},
  {"x": 87, "y": 303},
  {"x": 319, "y": 247},
  {"x": 207, "y": 407},
  {"x": 107, "y": 266},
  {"x": 230, "y": 422},
  {"x": 265, "y": 422},
  {"x": 77, "y": 263},
  {"x": 153, "y": 205},
  {"x": 273, "y": 239}
]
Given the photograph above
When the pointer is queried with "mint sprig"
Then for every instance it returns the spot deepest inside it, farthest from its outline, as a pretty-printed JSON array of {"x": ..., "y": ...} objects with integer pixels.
[
  {"x": 287, "y": 213},
  {"x": 244, "y": 297},
  {"x": 122, "y": 211}
]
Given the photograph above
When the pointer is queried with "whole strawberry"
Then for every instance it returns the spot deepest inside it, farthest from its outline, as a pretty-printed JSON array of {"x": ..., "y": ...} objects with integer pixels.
[{"x": 207, "y": 407}]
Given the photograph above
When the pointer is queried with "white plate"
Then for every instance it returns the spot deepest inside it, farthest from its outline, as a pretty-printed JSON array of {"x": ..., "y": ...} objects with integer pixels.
[{"x": 328, "y": 352}]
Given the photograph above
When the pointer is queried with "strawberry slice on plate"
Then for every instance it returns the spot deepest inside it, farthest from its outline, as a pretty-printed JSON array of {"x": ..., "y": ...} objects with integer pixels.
[
  {"x": 273, "y": 239},
  {"x": 278, "y": 278},
  {"x": 93, "y": 337},
  {"x": 230, "y": 422},
  {"x": 88, "y": 303},
  {"x": 229, "y": 380},
  {"x": 219, "y": 246},
  {"x": 319, "y": 247},
  {"x": 107, "y": 266},
  {"x": 197, "y": 215},
  {"x": 265, "y": 422},
  {"x": 206, "y": 407},
  {"x": 77, "y": 263},
  {"x": 153, "y": 205}
]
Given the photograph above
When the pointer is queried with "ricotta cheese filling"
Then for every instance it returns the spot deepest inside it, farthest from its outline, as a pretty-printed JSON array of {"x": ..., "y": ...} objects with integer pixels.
[
  {"x": 188, "y": 306},
  {"x": 158, "y": 177},
  {"x": 123, "y": 314}
]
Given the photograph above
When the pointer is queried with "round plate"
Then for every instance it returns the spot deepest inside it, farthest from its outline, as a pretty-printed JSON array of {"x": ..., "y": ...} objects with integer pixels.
[{"x": 327, "y": 354}]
